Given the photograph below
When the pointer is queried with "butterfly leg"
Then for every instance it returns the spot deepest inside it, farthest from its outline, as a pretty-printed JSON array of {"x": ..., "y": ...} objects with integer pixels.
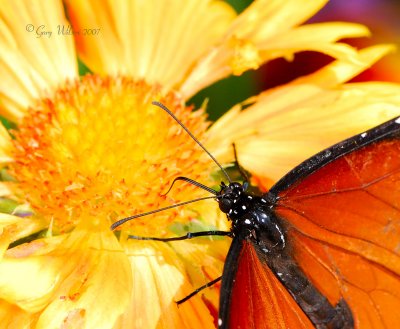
[
  {"x": 187, "y": 236},
  {"x": 209, "y": 284}
]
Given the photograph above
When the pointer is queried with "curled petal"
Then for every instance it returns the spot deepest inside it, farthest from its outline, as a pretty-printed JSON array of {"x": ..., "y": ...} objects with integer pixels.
[
  {"x": 268, "y": 30},
  {"x": 320, "y": 37}
]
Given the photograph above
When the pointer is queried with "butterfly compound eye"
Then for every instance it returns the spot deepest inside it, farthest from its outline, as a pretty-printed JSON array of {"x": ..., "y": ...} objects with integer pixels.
[{"x": 225, "y": 205}]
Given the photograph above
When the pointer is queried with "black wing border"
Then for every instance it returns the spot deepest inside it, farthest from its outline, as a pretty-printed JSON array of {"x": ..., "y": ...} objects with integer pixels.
[
  {"x": 228, "y": 280},
  {"x": 388, "y": 130}
]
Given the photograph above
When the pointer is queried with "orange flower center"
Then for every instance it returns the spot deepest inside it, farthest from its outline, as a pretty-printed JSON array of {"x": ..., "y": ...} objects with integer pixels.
[{"x": 100, "y": 151}]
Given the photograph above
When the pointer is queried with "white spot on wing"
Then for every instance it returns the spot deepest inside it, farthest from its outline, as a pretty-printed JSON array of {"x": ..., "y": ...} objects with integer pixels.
[
  {"x": 363, "y": 135},
  {"x": 219, "y": 322},
  {"x": 247, "y": 221},
  {"x": 244, "y": 207},
  {"x": 397, "y": 120},
  {"x": 263, "y": 200}
]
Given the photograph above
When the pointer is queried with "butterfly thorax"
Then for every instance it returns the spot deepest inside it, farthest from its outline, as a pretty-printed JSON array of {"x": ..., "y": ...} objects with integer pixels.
[{"x": 252, "y": 217}]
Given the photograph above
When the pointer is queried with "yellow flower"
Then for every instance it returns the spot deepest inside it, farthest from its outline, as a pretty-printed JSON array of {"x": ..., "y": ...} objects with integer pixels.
[{"x": 91, "y": 150}]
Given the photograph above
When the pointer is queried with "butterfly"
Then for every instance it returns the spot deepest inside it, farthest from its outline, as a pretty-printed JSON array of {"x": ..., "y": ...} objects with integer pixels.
[{"x": 321, "y": 248}]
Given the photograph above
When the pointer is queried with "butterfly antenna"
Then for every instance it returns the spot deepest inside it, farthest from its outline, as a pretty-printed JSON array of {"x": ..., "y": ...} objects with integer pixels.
[
  {"x": 123, "y": 220},
  {"x": 162, "y": 106},
  {"x": 192, "y": 182}
]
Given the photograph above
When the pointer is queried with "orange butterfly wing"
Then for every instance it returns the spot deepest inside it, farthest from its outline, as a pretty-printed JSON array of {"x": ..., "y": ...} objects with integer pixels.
[
  {"x": 344, "y": 227},
  {"x": 254, "y": 298}
]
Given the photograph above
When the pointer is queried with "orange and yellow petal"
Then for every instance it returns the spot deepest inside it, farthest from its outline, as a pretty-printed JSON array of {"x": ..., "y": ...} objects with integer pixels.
[
  {"x": 32, "y": 63},
  {"x": 268, "y": 30},
  {"x": 64, "y": 170},
  {"x": 285, "y": 125},
  {"x": 64, "y": 167},
  {"x": 159, "y": 280},
  {"x": 156, "y": 40},
  {"x": 64, "y": 276}
]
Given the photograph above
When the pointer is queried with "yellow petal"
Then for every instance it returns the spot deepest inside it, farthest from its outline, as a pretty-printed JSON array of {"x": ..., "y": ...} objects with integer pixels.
[
  {"x": 5, "y": 146},
  {"x": 267, "y": 30},
  {"x": 341, "y": 71},
  {"x": 5, "y": 234},
  {"x": 285, "y": 125},
  {"x": 72, "y": 279},
  {"x": 156, "y": 40},
  {"x": 266, "y": 18},
  {"x": 13, "y": 228},
  {"x": 6, "y": 220},
  {"x": 159, "y": 280},
  {"x": 33, "y": 292},
  {"x": 32, "y": 62},
  {"x": 204, "y": 260},
  {"x": 95, "y": 288},
  {"x": 320, "y": 37},
  {"x": 12, "y": 317},
  {"x": 5, "y": 190}
]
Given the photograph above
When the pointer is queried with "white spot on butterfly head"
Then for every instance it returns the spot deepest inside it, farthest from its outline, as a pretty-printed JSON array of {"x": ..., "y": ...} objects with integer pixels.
[
  {"x": 363, "y": 135},
  {"x": 397, "y": 120}
]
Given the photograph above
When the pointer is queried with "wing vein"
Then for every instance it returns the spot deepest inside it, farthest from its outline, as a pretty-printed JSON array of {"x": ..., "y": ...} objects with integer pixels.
[{"x": 333, "y": 232}]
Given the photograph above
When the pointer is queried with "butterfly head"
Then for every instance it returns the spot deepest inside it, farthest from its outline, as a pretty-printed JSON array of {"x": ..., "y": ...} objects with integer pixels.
[{"x": 231, "y": 196}]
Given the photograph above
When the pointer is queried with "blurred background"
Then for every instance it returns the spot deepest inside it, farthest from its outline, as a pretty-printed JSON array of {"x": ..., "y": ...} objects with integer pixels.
[{"x": 381, "y": 16}]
